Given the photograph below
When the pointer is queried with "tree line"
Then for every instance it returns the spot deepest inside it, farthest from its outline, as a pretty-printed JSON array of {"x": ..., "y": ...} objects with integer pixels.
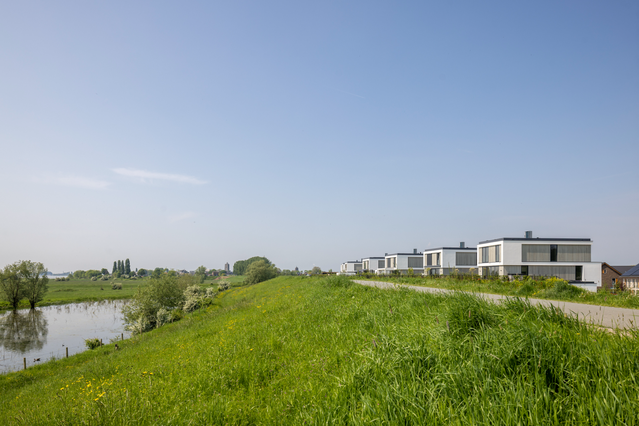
[{"x": 23, "y": 279}]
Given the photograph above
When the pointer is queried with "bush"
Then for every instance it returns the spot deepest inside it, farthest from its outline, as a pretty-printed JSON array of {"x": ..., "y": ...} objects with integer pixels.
[
  {"x": 94, "y": 278},
  {"x": 563, "y": 290},
  {"x": 259, "y": 271},
  {"x": 223, "y": 286},
  {"x": 116, "y": 286},
  {"x": 92, "y": 343},
  {"x": 141, "y": 314}
]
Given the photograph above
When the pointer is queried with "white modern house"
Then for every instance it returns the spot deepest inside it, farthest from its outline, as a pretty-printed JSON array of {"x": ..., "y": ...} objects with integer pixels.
[
  {"x": 350, "y": 267},
  {"x": 566, "y": 258},
  {"x": 373, "y": 264},
  {"x": 447, "y": 260},
  {"x": 402, "y": 262}
]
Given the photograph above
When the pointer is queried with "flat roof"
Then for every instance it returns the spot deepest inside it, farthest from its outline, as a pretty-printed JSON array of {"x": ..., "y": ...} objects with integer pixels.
[
  {"x": 353, "y": 261},
  {"x": 451, "y": 248},
  {"x": 372, "y": 257},
  {"x": 419, "y": 253},
  {"x": 537, "y": 239}
]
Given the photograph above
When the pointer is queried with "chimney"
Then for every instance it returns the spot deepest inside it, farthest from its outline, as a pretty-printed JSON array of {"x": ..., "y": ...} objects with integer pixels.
[
  {"x": 414, "y": 251},
  {"x": 528, "y": 235},
  {"x": 462, "y": 245}
]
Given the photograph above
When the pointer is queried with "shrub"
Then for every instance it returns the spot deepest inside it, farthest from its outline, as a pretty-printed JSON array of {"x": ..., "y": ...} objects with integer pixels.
[
  {"x": 116, "y": 286},
  {"x": 141, "y": 314},
  {"x": 162, "y": 317},
  {"x": 259, "y": 271},
  {"x": 563, "y": 290},
  {"x": 94, "y": 278},
  {"x": 191, "y": 304},
  {"x": 223, "y": 285},
  {"x": 92, "y": 343}
]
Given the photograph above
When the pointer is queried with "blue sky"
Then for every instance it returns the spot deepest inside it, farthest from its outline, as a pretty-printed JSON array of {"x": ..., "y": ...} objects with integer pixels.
[{"x": 180, "y": 135}]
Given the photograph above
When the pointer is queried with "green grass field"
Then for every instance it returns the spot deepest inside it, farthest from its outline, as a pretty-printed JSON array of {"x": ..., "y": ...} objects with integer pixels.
[
  {"x": 84, "y": 290},
  {"x": 81, "y": 290},
  {"x": 299, "y": 350},
  {"x": 534, "y": 289}
]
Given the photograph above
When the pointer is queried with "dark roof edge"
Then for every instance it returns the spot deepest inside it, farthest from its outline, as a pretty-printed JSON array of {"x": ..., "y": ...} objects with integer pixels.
[
  {"x": 535, "y": 239},
  {"x": 451, "y": 248}
]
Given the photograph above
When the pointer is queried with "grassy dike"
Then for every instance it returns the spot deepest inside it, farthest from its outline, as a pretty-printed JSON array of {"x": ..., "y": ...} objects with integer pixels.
[{"x": 299, "y": 350}]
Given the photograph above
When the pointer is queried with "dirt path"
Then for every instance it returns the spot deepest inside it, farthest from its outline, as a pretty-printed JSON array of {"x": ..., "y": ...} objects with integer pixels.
[{"x": 605, "y": 316}]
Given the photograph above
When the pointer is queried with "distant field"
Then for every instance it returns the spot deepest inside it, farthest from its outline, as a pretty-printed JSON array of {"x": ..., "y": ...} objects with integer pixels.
[
  {"x": 83, "y": 290},
  {"x": 324, "y": 351}
]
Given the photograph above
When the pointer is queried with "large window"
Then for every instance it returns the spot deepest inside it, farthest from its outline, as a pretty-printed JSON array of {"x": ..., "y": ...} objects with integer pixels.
[
  {"x": 491, "y": 254},
  {"x": 432, "y": 259},
  {"x": 380, "y": 264},
  {"x": 465, "y": 259},
  {"x": 415, "y": 262},
  {"x": 555, "y": 253}
]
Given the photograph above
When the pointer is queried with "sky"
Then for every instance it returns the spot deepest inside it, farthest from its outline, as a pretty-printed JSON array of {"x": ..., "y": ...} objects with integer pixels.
[{"x": 180, "y": 134}]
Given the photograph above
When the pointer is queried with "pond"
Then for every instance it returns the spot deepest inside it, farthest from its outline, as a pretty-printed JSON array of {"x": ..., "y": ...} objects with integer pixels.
[{"x": 46, "y": 333}]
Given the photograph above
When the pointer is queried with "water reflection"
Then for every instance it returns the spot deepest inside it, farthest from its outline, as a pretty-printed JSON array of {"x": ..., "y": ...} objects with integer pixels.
[
  {"x": 23, "y": 331},
  {"x": 49, "y": 332}
]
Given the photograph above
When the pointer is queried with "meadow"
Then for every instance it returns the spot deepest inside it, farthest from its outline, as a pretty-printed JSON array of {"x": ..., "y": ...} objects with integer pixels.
[
  {"x": 298, "y": 350},
  {"x": 549, "y": 289},
  {"x": 81, "y": 290}
]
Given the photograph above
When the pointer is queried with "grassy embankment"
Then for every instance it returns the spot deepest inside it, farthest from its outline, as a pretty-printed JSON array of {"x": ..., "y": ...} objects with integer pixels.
[
  {"x": 325, "y": 351},
  {"x": 539, "y": 289},
  {"x": 85, "y": 290}
]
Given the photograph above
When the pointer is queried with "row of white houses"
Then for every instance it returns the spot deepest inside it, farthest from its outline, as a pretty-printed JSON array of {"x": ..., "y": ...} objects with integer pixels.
[{"x": 566, "y": 258}]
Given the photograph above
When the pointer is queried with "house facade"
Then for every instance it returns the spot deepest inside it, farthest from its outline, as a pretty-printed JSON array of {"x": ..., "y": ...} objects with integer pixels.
[
  {"x": 402, "y": 262},
  {"x": 447, "y": 260},
  {"x": 565, "y": 258},
  {"x": 373, "y": 264},
  {"x": 610, "y": 274},
  {"x": 630, "y": 279},
  {"x": 350, "y": 267}
]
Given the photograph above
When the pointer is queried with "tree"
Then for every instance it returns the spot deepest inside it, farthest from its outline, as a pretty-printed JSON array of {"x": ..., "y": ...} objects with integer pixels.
[
  {"x": 78, "y": 274},
  {"x": 121, "y": 267},
  {"x": 142, "y": 272},
  {"x": 11, "y": 284},
  {"x": 259, "y": 271},
  {"x": 316, "y": 270},
  {"x": 105, "y": 271},
  {"x": 200, "y": 274},
  {"x": 127, "y": 267},
  {"x": 157, "y": 272},
  {"x": 115, "y": 267},
  {"x": 35, "y": 281},
  {"x": 241, "y": 266}
]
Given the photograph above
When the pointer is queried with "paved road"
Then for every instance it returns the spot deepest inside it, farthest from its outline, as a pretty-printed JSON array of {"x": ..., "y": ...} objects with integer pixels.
[{"x": 601, "y": 315}]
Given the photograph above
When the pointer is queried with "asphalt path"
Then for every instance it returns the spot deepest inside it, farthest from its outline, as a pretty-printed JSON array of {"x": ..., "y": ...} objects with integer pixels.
[{"x": 605, "y": 316}]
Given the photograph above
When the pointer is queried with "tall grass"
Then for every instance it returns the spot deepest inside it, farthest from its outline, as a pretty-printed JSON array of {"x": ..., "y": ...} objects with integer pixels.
[
  {"x": 548, "y": 288},
  {"x": 325, "y": 351}
]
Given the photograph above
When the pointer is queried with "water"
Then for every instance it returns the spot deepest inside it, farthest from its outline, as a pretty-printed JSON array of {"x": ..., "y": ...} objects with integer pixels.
[{"x": 46, "y": 332}]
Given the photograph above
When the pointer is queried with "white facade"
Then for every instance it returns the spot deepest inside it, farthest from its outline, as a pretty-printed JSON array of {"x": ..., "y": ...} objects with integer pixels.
[
  {"x": 373, "y": 264},
  {"x": 350, "y": 267},
  {"x": 447, "y": 260},
  {"x": 566, "y": 258},
  {"x": 402, "y": 262}
]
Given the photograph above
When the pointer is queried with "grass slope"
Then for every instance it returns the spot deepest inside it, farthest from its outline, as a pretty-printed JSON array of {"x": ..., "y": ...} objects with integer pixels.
[{"x": 324, "y": 351}]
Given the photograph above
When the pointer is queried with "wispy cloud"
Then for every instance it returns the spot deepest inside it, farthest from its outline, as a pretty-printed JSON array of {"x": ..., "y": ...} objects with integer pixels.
[
  {"x": 181, "y": 216},
  {"x": 146, "y": 176},
  {"x": 74, "y": 181}
]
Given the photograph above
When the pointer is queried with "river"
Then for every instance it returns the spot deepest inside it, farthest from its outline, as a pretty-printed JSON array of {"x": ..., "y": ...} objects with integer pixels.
[{"x": 46, "y": 333}]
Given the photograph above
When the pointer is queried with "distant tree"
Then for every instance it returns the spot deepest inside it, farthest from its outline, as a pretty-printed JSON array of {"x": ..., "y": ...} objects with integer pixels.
[
  {"x": 92, "y": 273},
  {"x": 127, "y": 267},
  {"x": 157, "y": 272},
  {"x": 11, "y": 284},
  {"x": 142, "y": 272},
  {"x": 105, "y": 271},
  {"x": 78, "y": 274},
  {"x": 241, "y": 266},
  {"x": 286, "y": 272},
  {"x": 115, "y": 267},
  {"x": 121, "y": 267},
  {"x": 200, "y": 274},
  {"x": 316, "y": 270},
  {"x": 35, "y": 281},
  {"x": 259, "y": 271}
]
